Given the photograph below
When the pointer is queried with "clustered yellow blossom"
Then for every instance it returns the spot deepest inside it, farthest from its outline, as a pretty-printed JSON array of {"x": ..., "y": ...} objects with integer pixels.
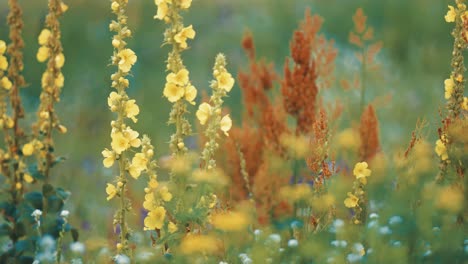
[
  {"x": 210, "y": 113},
  {"x": 201, "y": 244},
  {"x": 356, "y": 199},
  {"x": 441, "y": 150},
  {"x": 5, "y": 83},
  {"x": 178, "y": 86}
]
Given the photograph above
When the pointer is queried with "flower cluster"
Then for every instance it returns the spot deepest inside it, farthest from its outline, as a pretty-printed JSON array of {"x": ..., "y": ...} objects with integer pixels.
[{"x": 356, "y": 199}]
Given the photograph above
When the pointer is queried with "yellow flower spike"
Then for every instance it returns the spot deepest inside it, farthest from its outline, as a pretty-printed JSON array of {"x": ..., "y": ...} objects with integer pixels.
[
  {"x": 43, "y": 54},
  {"x": 165, "y": 194},
  {"x": 225, "y": 81},
  {"x": 183, "y": 35},
  {"x": 451, "y": 14},
  {"x": 109, "y": 158},
  {"x": 172, "y": 227},
  {"x": 351, "y": 201},
  {"x": 181, "y": 78},
  {"x": 3, "y": 63},
  {"x": 226, "y": 124},
  {"x": 203, "y": 113},
  {"x": 441, "y": 150},
  {"x": 28, "y": 149},
  {"x": 173, "y": 92},
  {"x": 361, "y": 171},
  {"x": 155, "y": 218},
  {"x": 111, "y": 191},
  {"x": 44, "y": 37},
  {"x": 5, "y": 83},
  {"x": 449, "y": 85},
  {"x": 190, "y": 94},
  {"x": 2, "y": 47},
  {"x": 127, "y": 59}
]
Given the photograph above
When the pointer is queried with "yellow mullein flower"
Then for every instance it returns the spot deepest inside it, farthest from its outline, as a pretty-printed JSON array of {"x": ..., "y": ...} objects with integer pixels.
[
  {"x": 109, "y": 158},
  {"x": 183, "y": 35},
  {"x": 28, "y": 178},
  {"x": 449, "y": 85},
  {"x": 203, "y": 113},
  {"x": 225, "y": 81},
  {"x": 59, "y": 60},
  {"x": 226, "y": 124},
  {"x": 115, "y": 6},
  {"x": 172, "y": 227},
  {"x": 199, "y": 244},
  {"x": 44, "y": 37},
  {"x": 165, "y": 194},
  {"x": 148, "y": 204},
  {"x": 351, "y": 201},
  {"x": 6, "y": 83},
  {"x": 441, "y": 150},
  {"x": 111, "y": 191},
  {"x": 127, "y": 59},
  {"x": 138, "y": 165},
  {"x": 232, "y": 221},
  {"x": 155, "y": 218},
  {"x": 28, "y": 149},
  {"x": 119, "y": 142},
  {"x": 465, "y": 103},
  {"x": 3, "y": 63},
  {"x": 185, "y": 4},
  {"x": 173, "y": 92},
  {"x": 2, "y": 47},
  {"x": 131, "y": 109},
  {"x": 64, "y": 7},
  {"x": 153, "y": 184},
  {"x": 361, "y": 171},
  {"x": 163, "y": 9},
  {"x": 60, "y": 80},
  {"x": 42, "y": 54},
  {"x": 180, "y": 78},
  {"x": 113, "y": 101},
  {"x": 190, "y": 94},
  {"x": 451, "y": 14}
]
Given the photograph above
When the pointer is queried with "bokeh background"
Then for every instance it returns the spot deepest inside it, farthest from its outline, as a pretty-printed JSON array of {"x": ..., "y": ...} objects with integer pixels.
[{"x": 414, "y": 63}]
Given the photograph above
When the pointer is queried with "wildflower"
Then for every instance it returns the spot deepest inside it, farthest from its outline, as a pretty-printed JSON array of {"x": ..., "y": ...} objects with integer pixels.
[
  {"x": 131, "y": 110},
  {"x": 28, "y": 178},
  {"x": 441, "y": 150},
  {"x": 155, "y": 218},
  {"x": 127, "y": 59},
  {"x": 109, "y": 158},
  {"x": 59, "y": 60},
  {"x": 185, "y": 4},
  {"x": 172, "y": 227},
  {"x": 173, "y": 92},
  {"x": 138, "y": 165},
  {"x": 226, "y": 124},
  {"x": 3, "y": 63},
  {"x": 111, "y": 191},
  {"x": 203, "y": 113},
  {"x": 231, "y": 221},
  {"x": 465, "y": 103},
  {"x": 64, "y": 213},
  {"x": 351, "y": 201},
  {"x": 6, "y": 83},
  {"x": 2, "y": 47},
  {"x": 36, "y": 213},
  {"x": 293, "y": 243},
  {"x": 190, "y": 94},
  {"x": 451, "y": 14},
  {"x": 183, "y": 35},
  {"x": 122, "y": 141},
  {"x": 449, "y": 85},
  {"x": 165, "y": 194},
  {"x": 42, "y": 54},
  {"x": 28, "y": 149},
  {"x": 450, "y": 198},
  {"x": 181, "y": 78},
  {"x": 148, "y": 204},
  {"x": 198, "y": 244},
  {"x": 163, "y": 9},
  {"x": 225, "y": 81},
  {"x": 361, "y": 171},
  {"x": 113, "y": 101}
]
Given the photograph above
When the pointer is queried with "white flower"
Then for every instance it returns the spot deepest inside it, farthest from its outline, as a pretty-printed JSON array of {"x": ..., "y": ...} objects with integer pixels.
[
  {"x": 77, "y": 247},
  {"x": 373, "y": 216},
  {"x": 395, "y": 220},
  {"x": 385, "y": 230},
  {"x": 36, "y": 214},
  {"x": 293, "y": 243},
  {"x": 275, "y": 238},
  {"x": 64, "y": 214},
  {"x": 122, "y": 259}
]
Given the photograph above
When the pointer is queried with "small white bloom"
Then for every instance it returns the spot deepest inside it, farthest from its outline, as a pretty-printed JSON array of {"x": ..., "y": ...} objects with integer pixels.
[
  {"x": 337, "y": 224},
  {"x": 396, "y": 219},
  {"x": 353, "y": 257},
  {"x": 257, "y": 232},
  {"x": 372, "y": 224},
  {"x": 385, "y": 230},
  {"x": 77, "y": 247},
  {"x": 122, "y": 259},
  {"x": 293, "y": 243},
  {"x": 396, "y": 243},
  {"x": 373, "y": 216},
  {"x": 223, "y": 262},
  {"x": 64, "y": 213},
  {"x": 275, "y": 238},
  {"x": 36, "y": 214}
]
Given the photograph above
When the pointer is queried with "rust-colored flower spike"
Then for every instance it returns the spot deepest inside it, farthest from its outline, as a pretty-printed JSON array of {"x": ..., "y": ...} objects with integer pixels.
[
  {"x": 52, "y": 83},
  {"x": 369, "y": 134},
  {"x": 312, "y": 57}
]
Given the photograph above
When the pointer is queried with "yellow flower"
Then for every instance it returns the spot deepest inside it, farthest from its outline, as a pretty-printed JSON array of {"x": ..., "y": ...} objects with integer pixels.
[
  {"x": 28, "y": 149},
  {"x": 232, "y": 221},
  {"x": 172, "y": 227},
  {"x": 153, "y": 184},
  {"x": 122, "y": 141},
  {"x": 64, "y": 7},
  {"x": 127, "y": 59},
  {"x": 181, "y": 78},
  {"x": 42, "y": 54},
  {"x": 3, "y": 63},
  {"x": 225, "y": 81},
  {"x": 348, "y": 139},
  {"x": 155, "y": 218},
  {"x": 361, "y": 171},
  {"x": 44, "y": 37},
  {"x": 203, "y": 113},
  {"x": 2, "y": 47},
  {"x": 109, "y": 158},
  {"x": 451, "y": 14},
  {"x": 185, "y": 4},
  {"x": 190, "y": 94},
  {"x": 163, "y": 9},
  {"x": 165, "y": 194},
  {"x": 226, "y": 124},
  {"x": 450, "y": 198},
  {"x": 28, "y": 178},
  {"x": 449, "y": 84},
  {"x": 183, "y": 35},
  {"x": 111, "y": 191},
  {"x": 441, "y": 150},
  {"x": 192, "y": 244},
  {"x": 6, "y": 83},
  {"x": 148, "y": 204},
  {"x": 465, "y": 103},
  {"x": 131, "y": 109},
  {"x": 173, "y": 92},
  {"x": 351, "y": 201},
  {"x": 59, "y": 60},
  {"x": 113, "y": 101},
  {"x": 138, "y": 165}
]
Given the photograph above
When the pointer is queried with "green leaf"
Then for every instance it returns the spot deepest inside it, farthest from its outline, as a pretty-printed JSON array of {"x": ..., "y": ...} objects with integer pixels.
[
  {"x": 48, "y": 190},
  {"x": 5, "y": 229},
  {"x": 35, "y": 199},
  {"x": 63, "y": 194},
  {"x": 55, "y": 204},
  {"x": 24, "y": 245}
]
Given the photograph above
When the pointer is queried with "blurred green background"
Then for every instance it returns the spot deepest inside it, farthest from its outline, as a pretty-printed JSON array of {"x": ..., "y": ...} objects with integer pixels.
[{"x": 415, "y": 61}]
